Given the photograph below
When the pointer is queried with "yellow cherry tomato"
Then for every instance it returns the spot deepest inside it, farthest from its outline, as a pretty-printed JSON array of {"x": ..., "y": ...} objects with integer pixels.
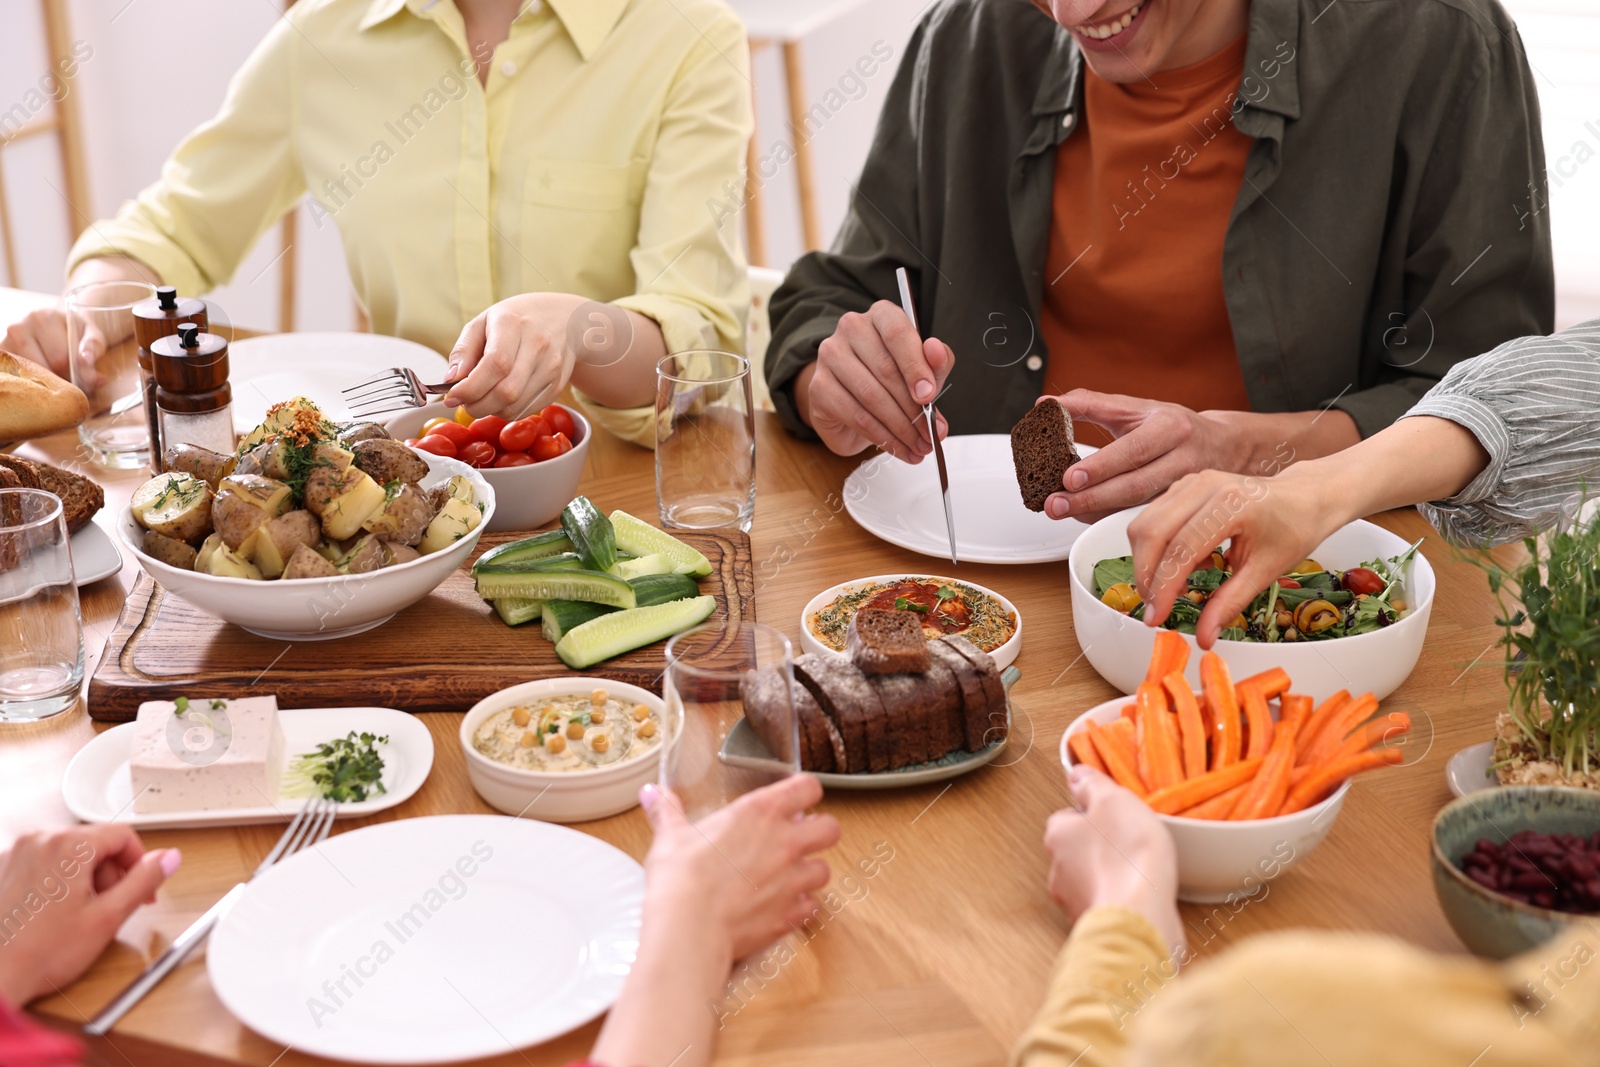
[
  {"x": 463, "y": 416},
  {"x": 431, "y": 425},
  {"x": 1121, "y": 597}
]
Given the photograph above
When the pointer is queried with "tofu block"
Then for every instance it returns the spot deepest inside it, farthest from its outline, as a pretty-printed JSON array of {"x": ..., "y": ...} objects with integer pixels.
[{"x": 217, "y": 754}]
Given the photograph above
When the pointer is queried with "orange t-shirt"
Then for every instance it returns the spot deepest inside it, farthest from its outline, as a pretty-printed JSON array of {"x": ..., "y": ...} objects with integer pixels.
[{"x": 1133, "y": 299}]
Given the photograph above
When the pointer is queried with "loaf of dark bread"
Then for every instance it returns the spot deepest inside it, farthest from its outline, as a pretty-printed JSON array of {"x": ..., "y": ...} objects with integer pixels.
[
  {"x": 81, "y": 499},
  {"x": 992, "y": 721},
  {"x": 886, "y": 641},
  {"x": 821, "y": 747},
  {"x": 905, "y": 699},
  {"x": 973, "y": 707},
  {"x": 844, "y": 696},
  {"x": 1042, "y": 449}
]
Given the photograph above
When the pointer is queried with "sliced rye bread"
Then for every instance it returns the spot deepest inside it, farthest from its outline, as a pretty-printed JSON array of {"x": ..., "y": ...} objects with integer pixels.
[
  {"x": 886, "y": 641},
  {"x": 10, "y": 515},
  {"x": 1042, "y": 449},
  {"x": 844, "y": 696},
  {"x": 761, "y": 693},
  {"x": 994, "y": 722},
  {"x": 919, "y": 703},
  {"x": 950, "y": 714},
  {"x": 81, "y": 499},
  {"x": 974, "y": 705}
]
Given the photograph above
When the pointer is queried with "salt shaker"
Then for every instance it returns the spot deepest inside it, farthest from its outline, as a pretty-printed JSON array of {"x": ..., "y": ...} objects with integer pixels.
[
  {"x": 192, "y": 391},
  {"x": 152, "y": 320}
]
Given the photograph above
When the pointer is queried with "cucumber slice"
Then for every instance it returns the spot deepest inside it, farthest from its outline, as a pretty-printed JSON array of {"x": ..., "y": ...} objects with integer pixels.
[
  {"x": 622, "y": 631},
  {"x": 591, "y": 533},
  {"x": 557, "y": 585},
  {"x": 660, "y": 588},
  {"x": 655, "y": 563},
  {"x": 560, "y": 616},
  {"x": 642, "y": 539},
  {"x": 516, "y": 610},
  {"x": 549, "y": 543},
  {"x": 566, "y": 561}
]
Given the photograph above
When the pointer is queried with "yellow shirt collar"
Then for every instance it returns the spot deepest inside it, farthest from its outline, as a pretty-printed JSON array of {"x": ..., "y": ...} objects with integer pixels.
[{"x": 587, "y": 22}]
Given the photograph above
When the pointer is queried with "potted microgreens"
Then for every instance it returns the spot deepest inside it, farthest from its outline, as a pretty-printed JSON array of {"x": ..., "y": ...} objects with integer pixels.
[{"x": 1550, "y": 612}]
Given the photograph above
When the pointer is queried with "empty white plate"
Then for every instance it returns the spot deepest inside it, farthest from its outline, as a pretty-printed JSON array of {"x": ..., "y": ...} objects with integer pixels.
[
  {"x": 1468, "y": 770},
  {"x": 98, "y": 786},
  {"x": 269, "y": 370},
  {"x": 94, "y": 555},
  {"x": 902, "y": 505},
  {"x": 429, "y": 940}
]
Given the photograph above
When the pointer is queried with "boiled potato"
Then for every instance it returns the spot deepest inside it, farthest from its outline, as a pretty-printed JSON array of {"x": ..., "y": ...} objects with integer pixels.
[
  {"x": 283, "y": 417},
  {"x": 455, "y": 520},
  {"x": 390, "y": 461},
  {"x": 396, "y": 554},
  {"x": 306, "y": 563},
  {"x": 276, "y": 539},
  {"x": 244, "y": 504},
  {"x": 226, "y": 563},
  {"x": 169, "y": 550},
  {"x": 351, "y": 433},
  {"x": 329, "y": 550},
  {"x": 208, "y": 548},
  {"x": 342, "y": 499},
  {"x": 456, "y": 486},
  {"x": 175, "y": 505},
  {"x": 367, "y": 555},
  {"x": 210, "y": 467},
  {"x": 404, "y": 516}
]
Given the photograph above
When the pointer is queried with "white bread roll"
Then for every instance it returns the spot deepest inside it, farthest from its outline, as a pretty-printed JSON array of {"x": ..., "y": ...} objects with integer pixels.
[{"x": 34, "y": 402}]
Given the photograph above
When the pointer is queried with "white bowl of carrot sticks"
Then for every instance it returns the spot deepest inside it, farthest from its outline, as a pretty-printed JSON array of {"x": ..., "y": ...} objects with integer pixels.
[{"x": 1248, "y": 776}]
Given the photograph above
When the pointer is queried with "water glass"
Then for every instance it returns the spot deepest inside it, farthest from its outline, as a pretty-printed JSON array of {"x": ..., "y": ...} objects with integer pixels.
[
  {"x": 116, "y": 433},
  {"x": 705, "y": 441},
  {"x": 711, "y": 757},
  {"x": 41, "y": 632}
]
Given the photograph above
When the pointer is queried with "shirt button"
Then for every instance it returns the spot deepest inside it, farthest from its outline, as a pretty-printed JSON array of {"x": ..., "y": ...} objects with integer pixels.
[
  {"x": 509, "y": 69},
  {"x": 1067, "y": 120},
  {"x": 1034, "y": 363}
]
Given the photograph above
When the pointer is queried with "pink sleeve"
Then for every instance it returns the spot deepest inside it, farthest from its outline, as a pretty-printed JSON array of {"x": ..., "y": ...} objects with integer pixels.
[{"x": 24, "y": 1043}]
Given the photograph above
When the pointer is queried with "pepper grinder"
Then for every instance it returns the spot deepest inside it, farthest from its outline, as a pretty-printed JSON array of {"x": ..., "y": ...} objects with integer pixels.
[
  {"x": 193, "y": 396},
  {"x": 152, "y": 320}
]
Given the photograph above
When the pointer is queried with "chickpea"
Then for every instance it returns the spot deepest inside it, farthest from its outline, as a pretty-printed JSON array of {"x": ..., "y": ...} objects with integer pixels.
[
  {"x": 1397, "y": 604},
  {"x": 556, "y": 744},
  {"x": 521, "y": 716},
  {"x": 640, "y": 713},
  {"x": 1314, "y": 616},
  {"x": 600, "y": 742},
  {"x": 597, "y": 715},
  {"x": 575, "y": 730},
  {"x": 1121, "y": 597},
  {"x": 599, "y": 697},
  {"x": 1284, "y": 619},
  {"x": 647, "y": 729},
  {"x": 529, "y": 739},
  {"x": 1291, "y": 634}
]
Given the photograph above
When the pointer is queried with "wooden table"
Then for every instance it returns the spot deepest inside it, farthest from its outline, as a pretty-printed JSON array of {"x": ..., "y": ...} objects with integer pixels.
[{"x": 939, "y": 959}]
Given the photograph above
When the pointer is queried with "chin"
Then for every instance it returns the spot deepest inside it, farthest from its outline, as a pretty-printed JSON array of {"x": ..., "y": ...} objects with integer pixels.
[{"x": 1121, "y": 40}]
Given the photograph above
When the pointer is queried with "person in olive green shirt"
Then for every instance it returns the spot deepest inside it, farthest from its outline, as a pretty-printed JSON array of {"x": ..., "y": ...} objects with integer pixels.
[
  {"x": 1386, "y": 222},
  {"x": 536, "y": 171}
]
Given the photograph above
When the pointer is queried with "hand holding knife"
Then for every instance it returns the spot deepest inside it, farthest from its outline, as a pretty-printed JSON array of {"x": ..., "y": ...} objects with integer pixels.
[{"x": 927, "y": 412}]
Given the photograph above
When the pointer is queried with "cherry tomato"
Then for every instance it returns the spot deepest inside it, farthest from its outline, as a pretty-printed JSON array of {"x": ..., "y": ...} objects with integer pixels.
[
  {"x": 454, "y": 432},
  {"x": 439, "y": 446},
  {"x": 1360, "y": 580},
  {"x": 550, "y": 447},
  {"x": 478, "y": 453},
  {"x": 1288, "y": 583},
  {"x": 432, "y": 425},
  {"x": 513, "y": 459},
  {"x": 463, "y": 416},
  {"x": 560, "y": 420},
  {"x": 517, "y": 436},
  {"x": 487, "y": 428}
]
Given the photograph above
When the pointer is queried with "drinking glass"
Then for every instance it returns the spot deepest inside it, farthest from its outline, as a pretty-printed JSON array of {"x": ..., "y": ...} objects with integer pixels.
[
  {"x": 700, "y": 762},
  {"x": 705, "y": 441},
  {"x": 116, "y": 433},
  {"x": 41, "y": 633}
]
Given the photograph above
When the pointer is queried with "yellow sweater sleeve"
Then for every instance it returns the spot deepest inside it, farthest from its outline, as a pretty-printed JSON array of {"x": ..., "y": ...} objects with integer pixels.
[{"x": 1113, "y": 964}]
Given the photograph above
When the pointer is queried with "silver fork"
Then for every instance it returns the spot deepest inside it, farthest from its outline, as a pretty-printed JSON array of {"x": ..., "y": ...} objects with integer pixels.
[
  {"x": 308, "y": 827},
  {"x": 390, "y": 390}
]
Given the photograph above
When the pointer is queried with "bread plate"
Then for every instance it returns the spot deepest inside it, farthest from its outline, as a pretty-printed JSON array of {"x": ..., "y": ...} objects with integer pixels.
[
  {"x": 94, "y": 555},
  {"x": 1004, "y": 654},
  {"x": 744, "y": 748},
  {"x": 98, "y": 786}
]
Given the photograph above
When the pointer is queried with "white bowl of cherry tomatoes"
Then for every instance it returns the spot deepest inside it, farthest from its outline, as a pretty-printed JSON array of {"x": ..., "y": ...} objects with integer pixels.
[{"x": 534, "y": 463}]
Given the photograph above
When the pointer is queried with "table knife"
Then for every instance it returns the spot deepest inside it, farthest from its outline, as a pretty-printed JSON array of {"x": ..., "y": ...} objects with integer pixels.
[{"x": 933, "y": 431}]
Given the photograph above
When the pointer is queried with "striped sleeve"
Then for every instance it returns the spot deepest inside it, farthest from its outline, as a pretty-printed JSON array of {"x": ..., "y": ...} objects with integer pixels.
[{"x": 1534, "y": 406}]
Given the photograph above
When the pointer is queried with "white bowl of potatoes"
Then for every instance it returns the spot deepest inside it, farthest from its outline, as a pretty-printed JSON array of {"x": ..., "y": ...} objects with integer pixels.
[{"x": 299, "y": 538}]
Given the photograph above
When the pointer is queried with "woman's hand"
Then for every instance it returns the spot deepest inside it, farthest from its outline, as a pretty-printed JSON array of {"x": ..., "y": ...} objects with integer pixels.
[
  {"x": 64, "y": 895},
  {"x": 514, "y": 357},
  {"x": 1112, "y": 849},
  {"x": 744, "y": 874}
]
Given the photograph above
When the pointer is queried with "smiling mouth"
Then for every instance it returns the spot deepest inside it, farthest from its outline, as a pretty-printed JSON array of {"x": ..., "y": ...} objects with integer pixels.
[{"x": 1100, "y": 31}]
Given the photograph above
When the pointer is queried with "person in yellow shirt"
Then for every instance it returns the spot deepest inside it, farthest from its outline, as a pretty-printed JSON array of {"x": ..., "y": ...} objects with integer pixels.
[
  {"x": 520, "y": 183},
  {"x": 1278, "y": 1000}
]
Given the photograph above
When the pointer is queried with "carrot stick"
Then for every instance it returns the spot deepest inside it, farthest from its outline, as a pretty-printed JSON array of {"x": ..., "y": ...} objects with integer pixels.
[
  {"x": 1191, "y": 728},
  {"x": 1219, "y": 806},
  {"x": 1171, "y": 653},
  {"x": 1218, "y": 686},
  {"x": 1128, "y": 710},
  {"x": 1380, "y": 731},
  {"x": 1269, "y": 788},
  {"x": 1186, "y": 794},
  {"x": 1160, "y": 764},
  {"x": 1295, "y": 708},
  {"x": 1310, "y": 731},
  {"x": 1081, "y": 745},
  {"x": 1118, "y": 756},
  {"x": 1258, "y": 719},
  {"x": 1315, "y": 787},
  {"x": 1333, "y": 735},
  {"x": 1272, "y": 683}
]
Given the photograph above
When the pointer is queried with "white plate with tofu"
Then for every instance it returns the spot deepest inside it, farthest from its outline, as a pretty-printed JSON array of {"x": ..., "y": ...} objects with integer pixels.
[{"x": 228, "y": 769}]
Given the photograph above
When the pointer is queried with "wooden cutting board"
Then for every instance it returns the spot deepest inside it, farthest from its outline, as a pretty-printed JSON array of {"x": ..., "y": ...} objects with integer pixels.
[{"x": 444, "y": 653}]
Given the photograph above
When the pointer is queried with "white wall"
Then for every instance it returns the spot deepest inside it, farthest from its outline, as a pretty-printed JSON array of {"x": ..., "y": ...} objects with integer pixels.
[{"x": 138, "y": 93}]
